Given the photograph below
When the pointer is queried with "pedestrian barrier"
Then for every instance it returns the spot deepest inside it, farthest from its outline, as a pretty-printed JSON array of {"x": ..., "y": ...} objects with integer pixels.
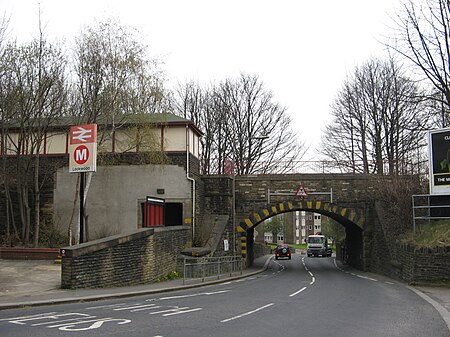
[{"x": 204, "y": 268}]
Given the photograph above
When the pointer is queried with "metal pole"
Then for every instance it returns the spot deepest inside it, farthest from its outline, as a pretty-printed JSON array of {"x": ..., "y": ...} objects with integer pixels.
[
  {"x": 414, "y": 214},
  {"x": 82, "y": 185},
  {"x": 234, "y": 213},
  {"x": 184, "y": 271}
]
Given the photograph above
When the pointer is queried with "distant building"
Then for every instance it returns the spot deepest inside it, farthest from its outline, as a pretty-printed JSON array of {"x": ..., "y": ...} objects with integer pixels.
[{"x": 296, "y": 228}]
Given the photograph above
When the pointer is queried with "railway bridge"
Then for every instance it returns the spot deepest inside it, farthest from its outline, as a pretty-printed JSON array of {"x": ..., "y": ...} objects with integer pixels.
[{"x": 349, "y": 199}]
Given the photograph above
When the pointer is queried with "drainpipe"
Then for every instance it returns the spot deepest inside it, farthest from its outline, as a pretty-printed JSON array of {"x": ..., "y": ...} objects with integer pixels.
[{"x": 192, "y": 180}]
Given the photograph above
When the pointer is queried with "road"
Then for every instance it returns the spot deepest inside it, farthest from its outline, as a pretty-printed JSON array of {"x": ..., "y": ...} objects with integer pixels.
[{"x": 299, "y": 297}]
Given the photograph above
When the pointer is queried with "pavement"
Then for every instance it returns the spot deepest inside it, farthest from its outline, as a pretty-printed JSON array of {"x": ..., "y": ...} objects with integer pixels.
[{"x": 37, "y": 282}]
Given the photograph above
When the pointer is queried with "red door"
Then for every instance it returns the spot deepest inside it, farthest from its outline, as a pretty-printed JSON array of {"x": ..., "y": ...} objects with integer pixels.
[{"x": 154, "y": 212}]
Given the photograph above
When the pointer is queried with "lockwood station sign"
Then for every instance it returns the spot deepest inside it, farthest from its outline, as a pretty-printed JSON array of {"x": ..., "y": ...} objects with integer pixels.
[
  {"x": 439, "y": 161},
  {"x": 83, "y": 148}
]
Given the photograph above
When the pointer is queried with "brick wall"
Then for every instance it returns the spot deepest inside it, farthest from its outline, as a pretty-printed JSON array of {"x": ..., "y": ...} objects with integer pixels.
[{"x": 139, "y": 257}]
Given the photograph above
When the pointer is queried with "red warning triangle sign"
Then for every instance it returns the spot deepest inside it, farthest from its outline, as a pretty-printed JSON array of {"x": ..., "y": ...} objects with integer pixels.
[{"x": 301, "y": 192}]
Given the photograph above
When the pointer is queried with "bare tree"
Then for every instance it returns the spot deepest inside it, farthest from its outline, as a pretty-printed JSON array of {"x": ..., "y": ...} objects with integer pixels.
[
  {"x": 32, "y": 93},
  {"x": 115, "y": 79},
  {"x": 379, "y": 120},
  {"x": 199, "y": 104},
  {"x": 4, "y": 119},
  {"x": 423, "y": 37},
  {"x": 242, "y": 124}
]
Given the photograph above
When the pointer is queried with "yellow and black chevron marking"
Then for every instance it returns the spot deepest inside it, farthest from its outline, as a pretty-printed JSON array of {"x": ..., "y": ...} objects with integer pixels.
[
  {"x": 244, "y": 245},
  {"x": 354, "y": 215}
]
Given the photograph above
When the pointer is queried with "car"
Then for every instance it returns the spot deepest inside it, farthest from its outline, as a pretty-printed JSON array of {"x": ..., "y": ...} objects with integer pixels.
[{"x": 282, "y": 250}]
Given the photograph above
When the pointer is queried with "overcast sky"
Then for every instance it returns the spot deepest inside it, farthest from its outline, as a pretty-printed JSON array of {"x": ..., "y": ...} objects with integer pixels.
[{"x": 301, "y": 49}]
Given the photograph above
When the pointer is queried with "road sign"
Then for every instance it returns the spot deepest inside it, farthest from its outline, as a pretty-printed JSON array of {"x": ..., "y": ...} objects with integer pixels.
[
  {"x": 301, "y": 192},
  {"x": 83, "y": 148}
]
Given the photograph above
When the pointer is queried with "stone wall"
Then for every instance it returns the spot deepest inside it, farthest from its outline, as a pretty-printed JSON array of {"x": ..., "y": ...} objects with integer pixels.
[
  {"x": 139, "y": 257},
  {"x": 216, "y": 201},
  {"x": 261, "y": 249},
  {"x": 422, "y": 265}
]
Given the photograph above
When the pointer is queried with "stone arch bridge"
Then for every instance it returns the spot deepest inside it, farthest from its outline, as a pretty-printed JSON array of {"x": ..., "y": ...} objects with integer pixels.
[
  {"x": 349, "y": 199},
  {"x": 346, "y": 198}
]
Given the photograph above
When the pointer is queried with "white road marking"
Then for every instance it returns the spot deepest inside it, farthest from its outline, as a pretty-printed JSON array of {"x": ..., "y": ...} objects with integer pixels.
[
  {"x": 194, "y": 295},
  {"x": 135, "y": 306},
  {"x": 27, "y": 317},
  {"x": 106, "y": 306},
  {"x": 353, "y": 274},
  {"x": 247, "y": 313},
  {"x": 297, "y": 292},
  {"x": 147, "y": 308},
  {"x": 70, "y": 321},
  {"x": 313, "y": 280},
  {"x": 182, "y": 312},
  {"x": 366, "y": 277},
  {"x": 167, "y": 310}
]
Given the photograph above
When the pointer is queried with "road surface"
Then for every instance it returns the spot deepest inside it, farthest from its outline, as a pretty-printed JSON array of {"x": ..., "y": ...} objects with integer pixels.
[{"x": 299, "y": 297}]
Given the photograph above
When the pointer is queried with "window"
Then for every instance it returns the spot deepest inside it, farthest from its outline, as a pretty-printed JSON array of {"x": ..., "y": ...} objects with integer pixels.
[{"x": 268, "y": 237}]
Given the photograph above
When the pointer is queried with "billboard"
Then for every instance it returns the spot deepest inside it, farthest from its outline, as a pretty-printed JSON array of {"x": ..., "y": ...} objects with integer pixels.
[{"x": 439, "y": 161}]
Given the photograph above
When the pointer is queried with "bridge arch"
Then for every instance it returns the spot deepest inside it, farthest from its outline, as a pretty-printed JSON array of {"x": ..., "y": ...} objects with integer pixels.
[{"x": 353, "y": 219}]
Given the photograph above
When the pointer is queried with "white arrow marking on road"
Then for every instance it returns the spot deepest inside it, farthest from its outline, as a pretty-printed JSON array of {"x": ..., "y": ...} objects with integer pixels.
[
  {"x": 18, "y": 320},
  {"x": 83, "y": 134}
]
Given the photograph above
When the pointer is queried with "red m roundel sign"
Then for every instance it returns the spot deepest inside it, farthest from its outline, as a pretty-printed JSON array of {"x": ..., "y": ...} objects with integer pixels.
[
  {"x": 83, "y": 148},
  {"x": 81, "y": 155}
]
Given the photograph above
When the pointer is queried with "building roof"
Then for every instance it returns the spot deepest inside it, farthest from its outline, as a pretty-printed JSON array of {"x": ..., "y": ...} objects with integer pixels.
[{"x": 158, "y": 119}]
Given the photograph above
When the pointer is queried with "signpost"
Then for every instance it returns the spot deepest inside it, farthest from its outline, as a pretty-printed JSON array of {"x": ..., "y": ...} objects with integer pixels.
[{"x": 82, "y": 159}]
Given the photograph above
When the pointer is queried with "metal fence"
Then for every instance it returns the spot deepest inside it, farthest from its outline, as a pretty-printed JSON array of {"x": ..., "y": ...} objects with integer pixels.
[
  {"x": 205, "y": 268},
  {"x": 425, "y": 210}
]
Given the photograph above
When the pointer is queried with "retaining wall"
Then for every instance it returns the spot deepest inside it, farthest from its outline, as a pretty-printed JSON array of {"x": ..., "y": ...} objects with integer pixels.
[
  {"x": 421, "y": 265},
  {"x": 139, "y": 257}
]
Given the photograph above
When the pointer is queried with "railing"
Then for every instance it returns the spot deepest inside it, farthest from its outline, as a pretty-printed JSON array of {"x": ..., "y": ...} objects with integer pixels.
[
  {"x": 424, "y": 209},
  {"x": 330, "y": 166},
  {"x": 211, "y": 267}
]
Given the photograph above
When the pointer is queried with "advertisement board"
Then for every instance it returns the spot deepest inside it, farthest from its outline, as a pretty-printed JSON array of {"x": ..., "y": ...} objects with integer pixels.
[{"x": 439, "y": 161}]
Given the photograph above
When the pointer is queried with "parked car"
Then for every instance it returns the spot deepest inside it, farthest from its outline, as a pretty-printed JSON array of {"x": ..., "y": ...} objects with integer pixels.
[{"x": 282, "y": 250}]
